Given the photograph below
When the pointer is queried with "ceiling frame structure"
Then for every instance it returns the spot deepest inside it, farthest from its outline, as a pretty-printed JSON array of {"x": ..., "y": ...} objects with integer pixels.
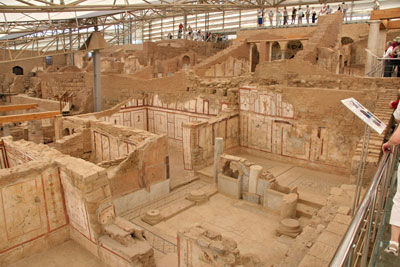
[{"x": 39, "y": 38}]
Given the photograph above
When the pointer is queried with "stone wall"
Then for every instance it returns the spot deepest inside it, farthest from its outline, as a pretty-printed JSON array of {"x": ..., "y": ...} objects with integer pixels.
[
  {"x": 55, "y": 84},
  {"x": 299, "y": 124}
]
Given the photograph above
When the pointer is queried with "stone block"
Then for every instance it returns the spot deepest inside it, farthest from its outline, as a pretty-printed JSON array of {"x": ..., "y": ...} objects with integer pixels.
[
  {"x": 330, "y": 239},
  {"x": 322, "y": 251},
  {"x": 341, "y": 218},
  {"x": 311, "y": 261},
  {"x": 336, "y": 191},
  {"x": 229, "y": 186},
  {"x": 273, "y": 200},
  {"x": 344, "y": 210},
  {"x": 337, "y": 228},
  {"x": 254, "y": 198}
]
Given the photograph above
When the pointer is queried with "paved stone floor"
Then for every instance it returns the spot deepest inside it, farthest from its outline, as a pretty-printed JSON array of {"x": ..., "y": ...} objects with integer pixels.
[
  {"x": 248, "y": 224},
  {"x": 68, "y": 254},
  {"x": 306, "y": 180}
]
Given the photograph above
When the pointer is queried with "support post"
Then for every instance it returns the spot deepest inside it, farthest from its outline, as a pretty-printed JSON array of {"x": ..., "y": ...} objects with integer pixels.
[
  {"x": 373, "y": 43},
  {"x": 6, "y": 129},
  {"x": 255, "y": 171},
  {"x": 361, "y": 168},
  {"x": 218, "y": 149},
  {"x": 97, "y": 80}
]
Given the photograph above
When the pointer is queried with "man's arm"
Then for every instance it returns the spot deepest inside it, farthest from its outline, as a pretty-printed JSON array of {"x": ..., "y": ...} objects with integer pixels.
[{"x": 394, "y": 140}]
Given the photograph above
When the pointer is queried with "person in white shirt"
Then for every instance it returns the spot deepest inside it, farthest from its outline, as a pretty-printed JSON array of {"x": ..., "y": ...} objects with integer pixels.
[
  {"x": 278, "y": 17},
  {"x": 300, "y": 16},
  {"x": 328, "y": 10},
  {"x": 323, "y": 10},
  {"x": 344, "y": 8},
  {"x": 271, "y": 16},
  {"x": 388, "y": 65},
  {"x": 393, "y": 246},
  {"x": 308, "y": 12}
]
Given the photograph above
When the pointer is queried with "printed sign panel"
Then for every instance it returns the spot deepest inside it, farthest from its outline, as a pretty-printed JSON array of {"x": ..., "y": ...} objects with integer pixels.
[{"x": 364, "y": 114}]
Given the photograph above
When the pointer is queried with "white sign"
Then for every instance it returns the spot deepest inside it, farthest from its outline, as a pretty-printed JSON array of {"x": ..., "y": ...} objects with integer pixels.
[{"x": 364, "y": 114}]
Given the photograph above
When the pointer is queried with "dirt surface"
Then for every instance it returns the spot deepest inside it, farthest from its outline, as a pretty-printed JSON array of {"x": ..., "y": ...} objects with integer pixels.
[{"x": 65, "y": 255}]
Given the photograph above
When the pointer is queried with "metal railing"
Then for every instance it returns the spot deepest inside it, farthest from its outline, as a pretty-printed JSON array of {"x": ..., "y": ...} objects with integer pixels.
[
  {"x": 362, "y": 234},
  {"x": 382, "y": 67},
  {"x": 158, "y": 242}
]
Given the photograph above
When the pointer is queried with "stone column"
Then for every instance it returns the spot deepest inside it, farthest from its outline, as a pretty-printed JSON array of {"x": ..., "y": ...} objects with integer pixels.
[
  {"x": 6, "y": 129},
  {"x": 289, "y": 206},
  {"x": 218, "y": 149},
  {"x": 251, "y": 56},
  {"x": 58, "y": 127},
  {"x": 373, "y": 44},
  {"x": 97, "y": 80},
  {"x": 255, "y": 171},
  {"x": 283, "y": 45}
]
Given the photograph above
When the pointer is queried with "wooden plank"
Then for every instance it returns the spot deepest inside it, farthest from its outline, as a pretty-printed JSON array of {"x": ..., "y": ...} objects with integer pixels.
[
  {"x": 393, "y": 24},
  {"x": 18, "y": 107},
  {"x": 29, "y": 116},
  {"x": 392, "y": 13},
  {"x": 384, "y": 24}
]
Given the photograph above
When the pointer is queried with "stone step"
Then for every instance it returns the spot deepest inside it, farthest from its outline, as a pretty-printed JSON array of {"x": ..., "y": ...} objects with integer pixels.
[
  {"x": 205, "y": 174},
  {"x": 139, "y": 249},
  {"x": 304, "y": 210},
  {"x": 311, "y": 199},
  {"x": 175, "y": 208}
]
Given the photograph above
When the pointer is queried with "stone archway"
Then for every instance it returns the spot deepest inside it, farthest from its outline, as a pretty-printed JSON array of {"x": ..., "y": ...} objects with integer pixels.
[
  {"x": 276, "y": 52},
  {"x": 346, "y": 40},
  {"x": 185, "y": 62},
  {"x": 292, "y": 48},
  {"x": 17, "y": 70},
  {"x": 255, "y": 57}
]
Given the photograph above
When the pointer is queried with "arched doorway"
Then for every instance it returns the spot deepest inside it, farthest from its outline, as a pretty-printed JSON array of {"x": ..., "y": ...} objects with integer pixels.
[
  {"x": 293, "y": 47},
  {"x": 276, "y": 51},
  {"x": 347, "y": 40},
  {"x": 17, "y": 70},
  {"x": 255, "y": 57},
  {"x": 185, "y": 62},
  {"x": 66, "y": 132}
]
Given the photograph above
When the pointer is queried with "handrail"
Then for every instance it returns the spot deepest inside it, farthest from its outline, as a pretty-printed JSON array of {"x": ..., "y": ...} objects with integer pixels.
[
  {"x": 379, "y": 58},
  {"x": 344, "y": 248}
]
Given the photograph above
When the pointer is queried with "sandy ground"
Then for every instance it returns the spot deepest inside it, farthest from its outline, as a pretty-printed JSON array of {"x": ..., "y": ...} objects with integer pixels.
[{"x": 68, "y": 254}]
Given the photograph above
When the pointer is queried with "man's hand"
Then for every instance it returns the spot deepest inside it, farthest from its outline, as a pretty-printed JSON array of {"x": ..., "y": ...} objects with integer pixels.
[{"x": 387, "y": 147}]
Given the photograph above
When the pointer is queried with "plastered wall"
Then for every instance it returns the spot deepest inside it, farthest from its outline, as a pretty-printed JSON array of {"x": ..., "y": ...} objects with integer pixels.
[{"x": 318, "y": 129}]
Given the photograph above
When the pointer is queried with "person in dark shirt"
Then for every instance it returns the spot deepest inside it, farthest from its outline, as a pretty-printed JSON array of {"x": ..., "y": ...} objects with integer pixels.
[{"x": 294, "y": 10}]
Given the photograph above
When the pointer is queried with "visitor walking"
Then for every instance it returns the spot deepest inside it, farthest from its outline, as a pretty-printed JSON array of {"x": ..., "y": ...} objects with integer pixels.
[
  {"x": 190, "y": 32},
  {"x": 396, "y": 58},
  {"x": 300, "y": 16},
  {"x": 393, "y": 246},
  {"x": 377, "y": 6},
  {"x": 180, "y": 31},
  {"x": 260, "y": 15},
  {"x": 328, "y": 10},
  {"x": 387, "y": 72},
  {"x": 278, "y": 17},
  {"x": 308, "y": 12},
  {"x": 313, "y": 15},
  {"x": 294, "y": 10},
  {"x": 271, "y": 17},
  {"x": 285, "y": 16},
  {"x": 322, "y": 12},
  {"x": 344, "y": 8}
]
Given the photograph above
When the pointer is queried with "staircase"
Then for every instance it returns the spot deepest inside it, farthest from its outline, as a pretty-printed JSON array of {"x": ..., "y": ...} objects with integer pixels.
[
  {"x": 234, "y": 50},
  {"x": 384, "y": 113},
  {"x": 327, "y": 34},
  {"x": 128, "y": 241}
]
